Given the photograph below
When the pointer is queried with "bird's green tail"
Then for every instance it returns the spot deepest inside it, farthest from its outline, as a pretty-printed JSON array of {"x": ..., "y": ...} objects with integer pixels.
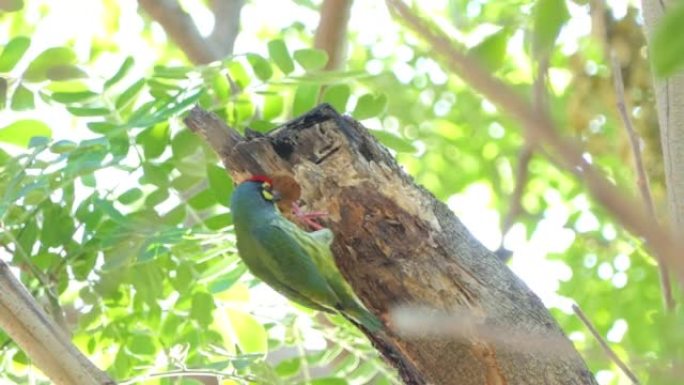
[{"x": 366, "y": 319}]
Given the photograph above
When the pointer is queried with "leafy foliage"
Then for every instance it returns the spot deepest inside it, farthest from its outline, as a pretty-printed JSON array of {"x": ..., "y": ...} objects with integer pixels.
[{"x": 116, "y": 215}]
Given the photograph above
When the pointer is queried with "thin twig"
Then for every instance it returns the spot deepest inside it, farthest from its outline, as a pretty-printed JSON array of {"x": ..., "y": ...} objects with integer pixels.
[
  {"x": 642, "y": 177},
  {"x": 604, "y": 345},
  {"x": 622, "y": 207},
  {"x": 189, "y": 373}
]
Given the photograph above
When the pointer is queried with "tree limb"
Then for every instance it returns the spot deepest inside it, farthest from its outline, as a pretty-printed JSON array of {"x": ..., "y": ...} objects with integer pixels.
[
  {"x": 669, "y": 94},
  {"x": 43, "y": 341},
  {"x": 399, "y": 247},
  {"x": 182, "y": 30},
  {"x": 630, "y": 213},
  {"x": 331, "y": 34}
]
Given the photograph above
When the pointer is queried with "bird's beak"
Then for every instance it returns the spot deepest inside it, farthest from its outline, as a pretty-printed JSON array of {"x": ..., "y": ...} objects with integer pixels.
[{"x": 276, "y": 195}]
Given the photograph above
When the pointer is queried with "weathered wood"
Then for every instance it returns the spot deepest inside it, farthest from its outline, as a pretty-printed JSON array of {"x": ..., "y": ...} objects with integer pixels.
[{"x": 402, "y": 250}]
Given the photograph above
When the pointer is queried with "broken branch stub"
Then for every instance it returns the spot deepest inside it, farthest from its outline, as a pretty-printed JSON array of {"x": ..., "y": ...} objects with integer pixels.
[{"x": 404, "y": 252}]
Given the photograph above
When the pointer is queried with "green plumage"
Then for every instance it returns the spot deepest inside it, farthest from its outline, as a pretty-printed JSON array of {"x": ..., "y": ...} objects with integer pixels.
[{"x": 297, "y": 264}]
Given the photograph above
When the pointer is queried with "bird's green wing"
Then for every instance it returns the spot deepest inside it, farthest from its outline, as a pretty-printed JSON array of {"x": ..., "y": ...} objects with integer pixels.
[{"x": 290, "y": 261}]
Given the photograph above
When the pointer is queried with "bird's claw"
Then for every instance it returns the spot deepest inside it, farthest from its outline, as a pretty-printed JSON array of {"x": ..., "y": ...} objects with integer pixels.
[{"x": 308, "y": 218}]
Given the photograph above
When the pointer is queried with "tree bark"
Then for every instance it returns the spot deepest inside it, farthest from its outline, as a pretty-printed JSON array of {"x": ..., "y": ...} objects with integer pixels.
[
  {"x": 670, "y": 104},
  {"x": 43, "y": 341},
  {"x": 454, "y": 313}
]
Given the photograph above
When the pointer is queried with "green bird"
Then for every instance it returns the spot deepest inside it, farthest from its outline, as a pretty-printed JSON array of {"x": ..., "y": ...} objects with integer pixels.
[{"x": 296, "y": 263}]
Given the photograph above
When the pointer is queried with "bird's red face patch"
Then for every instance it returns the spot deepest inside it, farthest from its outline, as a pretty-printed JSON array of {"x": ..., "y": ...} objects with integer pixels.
[{"x": 260, "y": 179}]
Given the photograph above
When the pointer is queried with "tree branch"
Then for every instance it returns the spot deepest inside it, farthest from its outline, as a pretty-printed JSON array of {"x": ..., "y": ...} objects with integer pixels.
[
  {"x": 43, "y": 341},
  {"x": 626, "y": 210},
  {"x": 331, "y": 34},
  {"x": 604, "y": 345},
  {"x": 182, "y": 30},
  {"x": 669, "y": 94}
]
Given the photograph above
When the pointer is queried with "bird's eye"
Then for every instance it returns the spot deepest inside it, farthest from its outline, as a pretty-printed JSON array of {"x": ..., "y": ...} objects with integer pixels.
[{"x": 266, "y": 191}]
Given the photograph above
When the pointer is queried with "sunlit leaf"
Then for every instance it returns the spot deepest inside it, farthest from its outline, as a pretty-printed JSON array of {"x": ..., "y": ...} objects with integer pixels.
[
  {"x": 278, "y": 52},
  {"x": 251, "y": 336},
  {"x": 262, "y": 68},
  {"x": 220, "y": 183},
  {"x": 549, "y": 18},
  {"x": 21, "y": 132},
  {"x": 492, "y": 50},
  {"x": 129, "y": 94},
  {"x": 667, "y": 48},
  {"x": 394, "y": 142},
  {"x": 369, "y": 106},
  {"x": 305, "y": 98},
  {"x": 22, "y": 99},
  {"x": 202, "y": 308},
  {"x": 120, "y": 73},
  {"x": 48, "y": 59},
  {"x": 311, "y": 59},
  {"x": 337, "y": 95},
  {"x": 13, "y": 52}
]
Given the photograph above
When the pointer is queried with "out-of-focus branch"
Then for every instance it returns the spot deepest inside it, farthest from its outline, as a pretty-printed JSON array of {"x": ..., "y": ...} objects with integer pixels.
[
  {"x": 180, "y": 28},
  {"x": 669, "y": 93},
  {"x": 604, "y": 345},
  {"x": 642, "y": 178},
  {"x": 331, "y": 34},
  {"x": 41, "y": 339},
  {"x": 226, "y": 25},
  {"x": 630, "y": 213}
]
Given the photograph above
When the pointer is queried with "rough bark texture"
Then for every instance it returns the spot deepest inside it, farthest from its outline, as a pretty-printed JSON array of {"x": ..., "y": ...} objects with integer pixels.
[
  {"x": 670, "y": 103},
  {"x": 399, "y": 246}
]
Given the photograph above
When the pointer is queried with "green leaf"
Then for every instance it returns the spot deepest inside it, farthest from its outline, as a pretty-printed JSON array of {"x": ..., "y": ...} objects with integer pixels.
[
  {"x": 218, "y": 222},
  {"x": 238, "y": 74},
  {"x": 88, "y": 111},
  {"x": 57, "y": 227},
  {"x": 311, "y": 59},
  {"x": 369, "y": 106},
  {"x": 549, "y": 17},
  {"x": 128, "y": 95},
  {"x": 273, "y": 106},
  {"x": 63, "y": 146},
  {"x": 22, "y": 99},
  {"x": 492, "y": 50},
  {"x": 13, "y": 52},
  {"x": 251, "y": 335},
  {"x": 72, "y": 97},
  {"x": 394, "y": 142},
  {"x": 226, "y": 281},
  {"x": 50, "y": 58},
  {"x": 305, "y": 98},
  {"x": 21, "y": 132},
  {"x": 154, "y": 140},
  {"x": 202, "y": 307},
  {"x": 667, "y": 49},
  {"x": 142, "y": 344},
  {"x": 220, "y": 183},
  {"x": 278, "y": 52},
  {"x": 262, "y": 68},
  {"x": 121, "y": 72},
  {"x": 329, "y": 381},
  {"x": 3, "y": 92},
  {"x": 202, "y": 200},
  {"x": 337, "y": 96},
  {"x": 130, "y": 196},
  {"x": 65, "y": 72}
]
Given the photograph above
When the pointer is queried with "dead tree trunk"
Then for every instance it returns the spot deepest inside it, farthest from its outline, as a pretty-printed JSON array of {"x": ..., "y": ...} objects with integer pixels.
[{"x": 402, "y": 249}]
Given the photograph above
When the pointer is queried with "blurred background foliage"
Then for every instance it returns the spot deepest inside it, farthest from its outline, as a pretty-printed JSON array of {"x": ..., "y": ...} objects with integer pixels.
[{"x": 115, "y": 216}]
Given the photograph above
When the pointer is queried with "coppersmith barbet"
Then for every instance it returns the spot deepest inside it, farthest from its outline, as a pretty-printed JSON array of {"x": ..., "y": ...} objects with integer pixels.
[{"x": 296, "y": 263}]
